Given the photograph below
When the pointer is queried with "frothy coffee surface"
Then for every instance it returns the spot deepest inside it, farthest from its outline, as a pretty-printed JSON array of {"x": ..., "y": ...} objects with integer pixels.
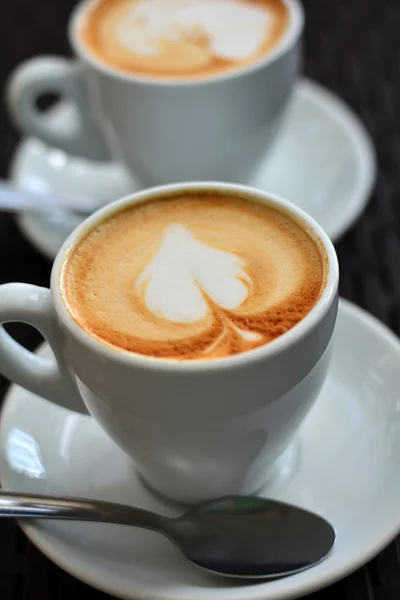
[
  {"x": 199, "y": 276},
  {"x": 183, "y": 38}
]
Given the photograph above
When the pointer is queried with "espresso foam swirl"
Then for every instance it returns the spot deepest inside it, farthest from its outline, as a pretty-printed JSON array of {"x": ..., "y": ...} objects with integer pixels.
[
  {"x": 183, "y": 37},
  {"x": 194, "y": 277}
]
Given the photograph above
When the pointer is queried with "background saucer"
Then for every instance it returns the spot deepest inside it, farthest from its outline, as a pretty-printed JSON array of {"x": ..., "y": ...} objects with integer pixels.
[
  {"x": 323, "y": 161},
  {"x": 346, "y": 469}
]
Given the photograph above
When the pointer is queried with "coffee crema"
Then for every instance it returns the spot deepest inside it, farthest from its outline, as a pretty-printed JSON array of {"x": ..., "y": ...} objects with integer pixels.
[
  {"x": 195, "y": 276},
  {"x": 183, "y": 38}
]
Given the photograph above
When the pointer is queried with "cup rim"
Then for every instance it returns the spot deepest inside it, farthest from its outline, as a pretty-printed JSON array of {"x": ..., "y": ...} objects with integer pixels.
[
  {"x": 294, "y": 31},
  {"x": 267, "y": 351}
]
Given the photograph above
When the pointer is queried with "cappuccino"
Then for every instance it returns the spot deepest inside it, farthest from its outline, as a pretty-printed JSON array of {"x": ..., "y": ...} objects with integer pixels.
[
  {"x": 195, "y": 276},
  {"x": 183, "y": 39}
]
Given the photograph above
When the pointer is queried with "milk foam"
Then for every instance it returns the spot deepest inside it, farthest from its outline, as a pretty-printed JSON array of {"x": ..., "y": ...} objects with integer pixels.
[
  {"x": 184, "y": 270},
  {"x": 193, "y": 277},
  {"x": 235, "y": 29}
]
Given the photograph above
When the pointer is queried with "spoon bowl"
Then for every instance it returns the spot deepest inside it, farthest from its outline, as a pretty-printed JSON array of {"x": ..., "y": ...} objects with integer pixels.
[{"x": 252, "y": 537}]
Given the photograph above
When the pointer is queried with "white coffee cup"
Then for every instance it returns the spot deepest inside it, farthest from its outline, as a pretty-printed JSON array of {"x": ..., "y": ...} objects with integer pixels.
[
  {"x": 216, "y": 128},
  {"x": 196, "y": 429}
]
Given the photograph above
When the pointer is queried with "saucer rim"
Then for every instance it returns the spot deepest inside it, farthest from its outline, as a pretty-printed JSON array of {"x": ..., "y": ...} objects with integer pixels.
[
  {"x": 338, "y": 111},
  {"x": 44, "y": 540},
  {"x": 355, "y": 129}
]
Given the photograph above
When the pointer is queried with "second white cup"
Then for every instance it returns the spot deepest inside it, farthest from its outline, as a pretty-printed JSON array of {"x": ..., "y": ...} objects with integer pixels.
[{"x": 215, "y": 128}]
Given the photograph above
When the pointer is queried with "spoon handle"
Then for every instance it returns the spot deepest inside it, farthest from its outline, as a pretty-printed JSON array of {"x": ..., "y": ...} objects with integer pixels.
[
  {"x": 28, "y": 506},
  {"x": 14, "y": 199}
]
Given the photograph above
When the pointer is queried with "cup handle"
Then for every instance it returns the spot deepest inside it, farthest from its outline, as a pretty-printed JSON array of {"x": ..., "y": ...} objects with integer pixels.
[
  {"x": 55, "y": 75},
  {"x": 49, "y": 378}
]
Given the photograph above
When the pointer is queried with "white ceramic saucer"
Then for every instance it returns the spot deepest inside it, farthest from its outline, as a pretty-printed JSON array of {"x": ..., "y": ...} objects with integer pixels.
[
  {"x": 39, "y": 168},
  {"x": 344, "y": 465},
  {"x": 323, "y": 161}
]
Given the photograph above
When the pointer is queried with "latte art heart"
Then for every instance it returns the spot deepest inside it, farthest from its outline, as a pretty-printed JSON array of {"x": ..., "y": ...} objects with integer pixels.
[
  {"x": 183, "y": 38},
  {"x": 199, "y": 276},
  {"x": 233, "y": 29},
  {"x": 185, "y": 273}
]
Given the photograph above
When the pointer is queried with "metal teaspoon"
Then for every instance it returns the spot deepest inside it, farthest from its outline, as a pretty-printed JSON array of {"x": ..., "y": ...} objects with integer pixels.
[
  {"x": 237, "y": 536},
  {"x": 14, "y": 199}
]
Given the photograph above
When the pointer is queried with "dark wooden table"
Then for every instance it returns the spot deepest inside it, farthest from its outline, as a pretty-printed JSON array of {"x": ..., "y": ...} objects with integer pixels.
[{"x": 352, "y": 47}]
